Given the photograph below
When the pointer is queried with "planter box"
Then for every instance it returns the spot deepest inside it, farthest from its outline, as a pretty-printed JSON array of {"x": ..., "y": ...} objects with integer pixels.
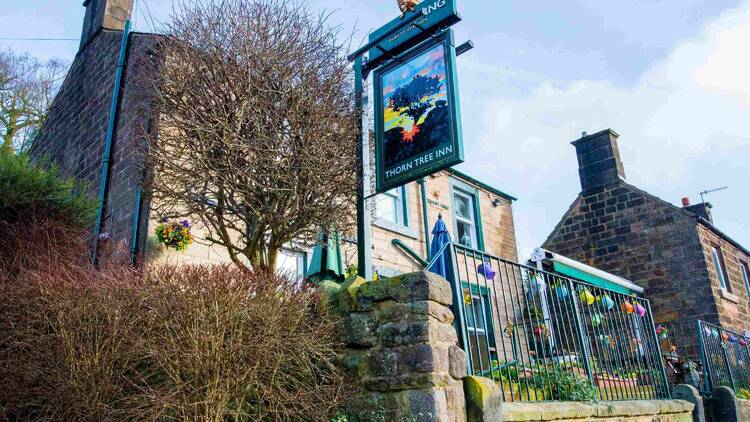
[{"x": 614, "y": 382}]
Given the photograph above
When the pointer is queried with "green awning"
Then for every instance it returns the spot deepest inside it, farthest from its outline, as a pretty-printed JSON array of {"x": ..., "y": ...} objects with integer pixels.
[{"x": 590, "y": 278}]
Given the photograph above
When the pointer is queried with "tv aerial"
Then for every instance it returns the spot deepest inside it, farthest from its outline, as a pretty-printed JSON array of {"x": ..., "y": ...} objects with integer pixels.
[{"x": 708, "y": 191}]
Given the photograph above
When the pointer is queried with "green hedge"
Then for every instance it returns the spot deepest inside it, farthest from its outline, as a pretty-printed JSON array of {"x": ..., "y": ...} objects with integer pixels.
[{"x": 29, "y": 190}]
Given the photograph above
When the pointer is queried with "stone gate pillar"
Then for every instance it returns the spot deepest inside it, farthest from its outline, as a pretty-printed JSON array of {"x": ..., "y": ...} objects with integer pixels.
[{"x": 403, "y": 350}]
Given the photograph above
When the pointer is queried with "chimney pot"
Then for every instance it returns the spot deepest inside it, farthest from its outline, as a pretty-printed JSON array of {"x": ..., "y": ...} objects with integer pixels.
[
  {"x": 686, "y": 202},
  {"x": 599, "y": 162},
  {"x": 104, "y": 14}
]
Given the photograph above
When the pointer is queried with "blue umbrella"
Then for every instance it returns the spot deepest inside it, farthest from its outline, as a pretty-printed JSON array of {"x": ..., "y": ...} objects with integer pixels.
[{"x": 440, "y": 238}]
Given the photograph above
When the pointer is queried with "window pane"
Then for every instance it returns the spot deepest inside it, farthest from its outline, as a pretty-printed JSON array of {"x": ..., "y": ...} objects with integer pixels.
[
  {"x": 465, "y": 234},
  {"x": 387, "y": 207},
  {"x": 390, "y": 206},
  {"x": 475, "y": 314},
  {"x": 463, "y": 206},
  {"x": 716, "y": 256},
  {"x": 746, "y": 276}
]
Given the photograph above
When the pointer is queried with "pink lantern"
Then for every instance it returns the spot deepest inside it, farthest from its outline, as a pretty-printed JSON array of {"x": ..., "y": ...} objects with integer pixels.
[{"x": 640, "y": 310}]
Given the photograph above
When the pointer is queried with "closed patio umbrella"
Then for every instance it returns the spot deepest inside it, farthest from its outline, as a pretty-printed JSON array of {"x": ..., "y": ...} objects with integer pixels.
[
  {"x": 440, "y": 238},
  {"x": 327, "y": 261}
]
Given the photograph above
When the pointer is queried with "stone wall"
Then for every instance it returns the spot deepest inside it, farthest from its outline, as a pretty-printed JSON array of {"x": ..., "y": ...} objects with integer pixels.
[
  {"x": 623, "y": 411},
  {"x": 73, "y": 136},
  {"x": 630, "y": 233},
  {"x": 402, "y": 349},
  {"x": 733, "y": 304}
]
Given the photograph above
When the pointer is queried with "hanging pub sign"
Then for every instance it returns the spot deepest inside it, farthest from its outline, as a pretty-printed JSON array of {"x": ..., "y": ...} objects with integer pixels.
[
  {"x": 417, "y": 117},
  {"x": 412, "y": 27}
]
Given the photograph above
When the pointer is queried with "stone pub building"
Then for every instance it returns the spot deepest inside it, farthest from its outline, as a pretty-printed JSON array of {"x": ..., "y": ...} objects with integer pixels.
[{"x": 689, "y": 268}]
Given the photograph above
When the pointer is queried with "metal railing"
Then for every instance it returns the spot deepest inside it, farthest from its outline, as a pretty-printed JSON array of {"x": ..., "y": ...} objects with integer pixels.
[
  {"x": 543, "y": 336},
  {"x": 705, "y": 355}
]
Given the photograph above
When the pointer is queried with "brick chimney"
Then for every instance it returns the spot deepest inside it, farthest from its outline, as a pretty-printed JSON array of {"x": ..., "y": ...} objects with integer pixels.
[
  {"x": 104, "y": 14},
  {"x": 599, "y": 162},
  {"x": 702, "y": 209}
]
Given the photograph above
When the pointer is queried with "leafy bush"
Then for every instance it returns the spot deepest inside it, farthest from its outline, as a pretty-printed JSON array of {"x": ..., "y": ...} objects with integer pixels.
[
  {"x": 32, "y": 191},
  {"x": 566, "y": 385},
  {"x": 171, "y": 343}
]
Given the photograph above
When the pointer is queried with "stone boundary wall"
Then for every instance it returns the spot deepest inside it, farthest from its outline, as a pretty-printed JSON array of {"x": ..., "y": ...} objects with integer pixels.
[
  {"x": 402, "y": 349},
  {"x": 620, "y": 411}
]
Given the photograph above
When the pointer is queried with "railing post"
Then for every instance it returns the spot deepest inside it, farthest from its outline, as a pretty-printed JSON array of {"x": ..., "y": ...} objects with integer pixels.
[
  {"x": 458, "y": 304},
  {"x": 655, "y": 339},
  {"x": 726, "y": 363},
  {"x": 582, "y": 337},
  {"x": 706, "y": 364}
]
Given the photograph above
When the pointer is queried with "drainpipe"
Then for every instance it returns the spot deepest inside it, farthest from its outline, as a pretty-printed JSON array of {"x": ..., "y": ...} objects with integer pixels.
[
  {"x": 136, "y": 224},
  {"x": 423, "y": 187},
  {"x": 108, "y": 141}
]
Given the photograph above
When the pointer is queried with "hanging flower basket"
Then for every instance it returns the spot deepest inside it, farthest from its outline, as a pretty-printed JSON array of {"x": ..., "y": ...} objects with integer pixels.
[{"x": 174, "y": 234}]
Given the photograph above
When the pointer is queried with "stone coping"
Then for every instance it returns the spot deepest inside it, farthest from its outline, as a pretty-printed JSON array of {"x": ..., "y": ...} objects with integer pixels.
[{"x": 550, "y": 411}]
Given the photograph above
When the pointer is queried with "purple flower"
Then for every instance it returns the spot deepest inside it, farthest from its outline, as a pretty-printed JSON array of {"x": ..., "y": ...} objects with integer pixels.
[{"x": 185, "y": 224}]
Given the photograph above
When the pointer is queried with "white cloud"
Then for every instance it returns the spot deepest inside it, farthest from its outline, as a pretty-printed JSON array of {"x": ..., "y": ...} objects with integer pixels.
[{"x": 684, "y": 126}]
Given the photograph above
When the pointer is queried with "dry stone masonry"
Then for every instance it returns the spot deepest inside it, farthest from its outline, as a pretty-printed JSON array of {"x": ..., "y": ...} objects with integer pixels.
[{"x": 402, "y": 349}]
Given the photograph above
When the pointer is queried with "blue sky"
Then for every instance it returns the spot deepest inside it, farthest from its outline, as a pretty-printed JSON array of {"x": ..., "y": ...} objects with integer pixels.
[{"x": 669, "y": 75}]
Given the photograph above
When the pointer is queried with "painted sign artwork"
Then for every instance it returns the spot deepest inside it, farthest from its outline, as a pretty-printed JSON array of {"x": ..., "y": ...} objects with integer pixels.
[{"x": 417, "y": 133}]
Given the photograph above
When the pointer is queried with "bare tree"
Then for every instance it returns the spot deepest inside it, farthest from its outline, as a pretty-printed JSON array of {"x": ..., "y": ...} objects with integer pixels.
[
  {"x": 27, "y": 88},
  {"x": 256, "y": 133}
]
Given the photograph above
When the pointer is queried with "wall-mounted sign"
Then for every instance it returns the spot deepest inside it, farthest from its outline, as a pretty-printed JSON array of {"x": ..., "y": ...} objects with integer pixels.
[
  {"x": 417, "y": 26},
  {"x": 417, "y": 118}
]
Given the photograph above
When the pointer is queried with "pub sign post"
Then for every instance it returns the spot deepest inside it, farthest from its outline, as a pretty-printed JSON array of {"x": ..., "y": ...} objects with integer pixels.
[{"x": 417, "y": 115}]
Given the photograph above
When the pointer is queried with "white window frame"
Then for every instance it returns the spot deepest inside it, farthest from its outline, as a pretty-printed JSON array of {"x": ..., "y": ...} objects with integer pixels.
[
  {"x": 476, "y": 330},
  {"x": 471, "y": 221},
  {"x": 721, "y": 274},
  {"x": 398, "y": 196},
  {"x": 745, "y": 270},
  {"x": 403, "y": 224}
]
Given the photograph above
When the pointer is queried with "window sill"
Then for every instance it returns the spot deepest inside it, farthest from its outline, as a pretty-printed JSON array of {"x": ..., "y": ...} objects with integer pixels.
[
  {"x": 396, "y": 228},
  {"x": 728, "y": 296}
]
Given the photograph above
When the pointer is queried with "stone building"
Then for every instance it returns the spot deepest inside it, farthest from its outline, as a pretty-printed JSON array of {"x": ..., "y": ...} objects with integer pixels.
[
  {"x": 689, "y": 268},
  {"x": 73, "y": 136},
  {"x": 82, "y": 117}
]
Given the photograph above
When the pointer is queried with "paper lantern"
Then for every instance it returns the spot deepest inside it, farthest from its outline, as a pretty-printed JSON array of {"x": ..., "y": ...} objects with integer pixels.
[
  {"x": 562, "y": 292},
  {"x": 724, "y": 336},
  {"x": 707, "y": 331},
  {"x": 714, "y": 333},
  {"x": 640, "y": 310},
  {"x": 627, "y": 307},
  {"x": 596, "y": 319},
  {"x": 608, "y": 302},
  {"x": 587, "y": 297},
  {"x": 743, "y": 342},
  {"x": 732, "y": 339},
  {"x": 486, "y": 271},
  {"x": 659, "y": 329},
  {"x": 534, "y": 286}
]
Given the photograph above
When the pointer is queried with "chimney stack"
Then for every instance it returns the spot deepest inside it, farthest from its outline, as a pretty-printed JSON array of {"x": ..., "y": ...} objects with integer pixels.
[
  {"x": 703, "y": 209},
  {"x": 599, "y": 162},
  {"x": 104, "y": 14}
]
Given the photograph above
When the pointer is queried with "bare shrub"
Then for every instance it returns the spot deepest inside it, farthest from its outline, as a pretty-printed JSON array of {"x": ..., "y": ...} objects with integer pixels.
[
  {"x": 257, "y": 128},
  {"x": 193, "y": 343}
]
